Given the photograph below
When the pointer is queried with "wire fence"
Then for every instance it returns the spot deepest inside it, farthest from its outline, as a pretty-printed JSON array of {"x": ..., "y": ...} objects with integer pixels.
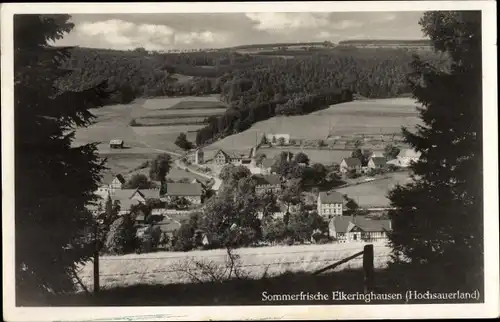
[{"x": 139, "y": 269}]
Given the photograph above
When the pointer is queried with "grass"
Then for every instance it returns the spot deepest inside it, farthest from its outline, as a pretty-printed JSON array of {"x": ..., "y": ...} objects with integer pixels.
[
  {"x": 374, "y": 193},
  {"x": 261, "y": 291},
  {"x": 162, "y": 267},
  {"x": 163, "y": 128},
  {"x": 374, "y": 116}
]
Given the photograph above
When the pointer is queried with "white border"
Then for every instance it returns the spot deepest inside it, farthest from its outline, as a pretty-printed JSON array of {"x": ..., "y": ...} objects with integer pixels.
[{"x": 490, "y": 134}]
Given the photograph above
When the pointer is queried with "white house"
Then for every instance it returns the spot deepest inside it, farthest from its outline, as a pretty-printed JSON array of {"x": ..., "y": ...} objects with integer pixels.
[
  {"x": 196, "y": 156},
  {"x": 118, "y": 182},
  {"x": 358, "y": 228},
  {"x": 376, "y": 163},
  {"x": 330, "y": 204},
  {"x": 349, "y": 164}
]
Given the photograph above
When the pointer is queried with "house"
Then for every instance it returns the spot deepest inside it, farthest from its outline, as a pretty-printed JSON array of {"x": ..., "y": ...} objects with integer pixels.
[
  {"x": 330, "y": 204},
  {"x": 275, "y": 137},
  {"x": 267, "y": 183},
  {"x": 118, "y": 182},
  {"x": 349, "y": 164},
  {"x": 222, "y": 158},
  {"x": 406, "y": 157},
  {"x": 358, "y": 228},
  {"x": 376, "y": 163},
  {"x": 124, "y": 196},
  {"x": 191, "y": 191},
  {"x": 196, "y": 157},
  {"x": 143, "y": 195},
  {"x": 116, "y": 144}
]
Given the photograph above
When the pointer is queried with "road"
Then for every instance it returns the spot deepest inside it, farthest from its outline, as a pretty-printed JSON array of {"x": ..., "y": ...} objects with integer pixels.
[{"x": 178, "y": 164}]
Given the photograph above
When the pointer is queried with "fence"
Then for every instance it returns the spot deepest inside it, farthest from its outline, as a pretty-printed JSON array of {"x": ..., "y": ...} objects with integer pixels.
[{"x": 161, "y": 268}]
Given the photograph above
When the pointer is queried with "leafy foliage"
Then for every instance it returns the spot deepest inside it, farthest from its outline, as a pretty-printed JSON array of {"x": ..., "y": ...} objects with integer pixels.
[
  {"x": 138, "y": 181},
  {"x": 438, "y": 221},
  {"x": 182, "y": 142},
  {"x": 54, "y": 181},
  {"x": 160, "y": 167}
]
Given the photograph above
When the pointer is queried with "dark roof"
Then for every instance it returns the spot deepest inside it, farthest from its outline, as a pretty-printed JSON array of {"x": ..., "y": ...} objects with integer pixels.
[
  {"x": 352, "y": 162},
  {"x": 183, "y": 189},
  {"x": 149, "y": 193},
  {"x": 378, "y": 160},
  {"x": 331, "y": 197},
  {"x": 120, "y": 178},
  {"x": 267, "y": 179},
  {"x": 345, "y": 224}
]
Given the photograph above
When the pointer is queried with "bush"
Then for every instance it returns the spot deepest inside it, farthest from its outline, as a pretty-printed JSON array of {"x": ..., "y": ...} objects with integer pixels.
[{"x": 133, "y": 122}]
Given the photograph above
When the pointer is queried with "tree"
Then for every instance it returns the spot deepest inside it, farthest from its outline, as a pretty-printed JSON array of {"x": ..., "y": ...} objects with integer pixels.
[
  {"x": 54, "y": 180},
  {"x": 302, "y": 225},
  {"x": 160, "y": 167},
  {"x": 264, "y": 140},
  {"x": 391, "y": 152},
  {"x": 301, "y": 157},
  {"x": 121, "y": 238},
  {"x": 259, "y": 158},
  {"x": 438, "y": 220},
  {"x": 291, "y": 194},
  {"x": 274, "y": 139},
  {"x": 281, "y": 141},
  {"x": 231, "y": 174},
  {"x": 182, "y": 142},
  {"x": 352, "y": 206},
  {"x": 138, "y": 181}
]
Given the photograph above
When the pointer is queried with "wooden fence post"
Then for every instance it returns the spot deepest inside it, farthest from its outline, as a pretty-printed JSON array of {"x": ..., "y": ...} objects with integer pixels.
[
  {"x": 96, "y": 259},
  {"x": 368, "y": 268}
]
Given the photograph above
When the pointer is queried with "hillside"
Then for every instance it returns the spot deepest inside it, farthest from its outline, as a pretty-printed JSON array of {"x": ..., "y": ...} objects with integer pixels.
[{"x": 337, "y": 125}]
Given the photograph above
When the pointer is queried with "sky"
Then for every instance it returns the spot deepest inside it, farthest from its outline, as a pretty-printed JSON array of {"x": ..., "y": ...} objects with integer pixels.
[{"x": 216, "y": 30}]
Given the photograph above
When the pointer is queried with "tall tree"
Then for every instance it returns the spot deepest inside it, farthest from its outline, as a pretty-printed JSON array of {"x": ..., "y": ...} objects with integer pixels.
[
  {"x": 438, "y": 221},
  {"x": 160, "y": 167},
  {"x": 54, "y": 180}
]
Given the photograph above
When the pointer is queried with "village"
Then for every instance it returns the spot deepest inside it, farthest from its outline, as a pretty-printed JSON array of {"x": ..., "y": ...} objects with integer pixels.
[{"x": 171, "y": 203}]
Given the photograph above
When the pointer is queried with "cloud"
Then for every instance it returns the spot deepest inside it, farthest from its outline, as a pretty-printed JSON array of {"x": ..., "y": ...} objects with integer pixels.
[
  {"x": 164, "y": 31},
  {"x": 122, "y": 34},
  {"x": 346, "y": 24},
  {"x": 279, "y": 22}
]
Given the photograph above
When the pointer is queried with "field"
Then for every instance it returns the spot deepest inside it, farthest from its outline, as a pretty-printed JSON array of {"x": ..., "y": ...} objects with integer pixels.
[
  {"x": 374, "y": 194},
  {"x": 167, "y": 268},
  {"x": 166, "y": 117},
  {"x": 368, "y": 117}
]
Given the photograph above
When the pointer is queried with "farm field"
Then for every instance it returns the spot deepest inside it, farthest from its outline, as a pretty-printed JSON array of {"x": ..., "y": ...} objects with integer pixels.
[
  {"x": 167, "y": 267},
  {"x": 112, "y": 122},
  {"x": 374, "y": 194},
  {"x": 373, "y": 116}
]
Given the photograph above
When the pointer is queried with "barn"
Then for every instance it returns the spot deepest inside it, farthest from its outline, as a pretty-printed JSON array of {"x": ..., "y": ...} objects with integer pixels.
[{"x": 116, "y": 144}]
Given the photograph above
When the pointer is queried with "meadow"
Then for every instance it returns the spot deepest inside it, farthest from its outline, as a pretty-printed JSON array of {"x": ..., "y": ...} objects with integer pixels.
[
  {"x": 164, "y": 125},
  {"x": 162, "y": 268},
  {"x": 371, "y": 117},
  {"x": 373, "y": 194}
]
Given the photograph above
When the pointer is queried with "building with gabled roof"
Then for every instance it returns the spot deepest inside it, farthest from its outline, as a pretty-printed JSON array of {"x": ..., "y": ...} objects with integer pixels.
[
  {"x": 267, "y": 183},
  {"x": 116, "y": 144},
  {"x": 359, "y": 228},
  {"x": 376, "y": 163},
  {"x": 349, "y": 164},
  {"x": 117, "y": 182},
  {"x": 330, "y": 204},
  {"x": 191, "y": 191}
]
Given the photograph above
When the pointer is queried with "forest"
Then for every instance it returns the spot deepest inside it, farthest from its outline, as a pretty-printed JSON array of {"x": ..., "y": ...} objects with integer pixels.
[{"x": 255, "y": 87}]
